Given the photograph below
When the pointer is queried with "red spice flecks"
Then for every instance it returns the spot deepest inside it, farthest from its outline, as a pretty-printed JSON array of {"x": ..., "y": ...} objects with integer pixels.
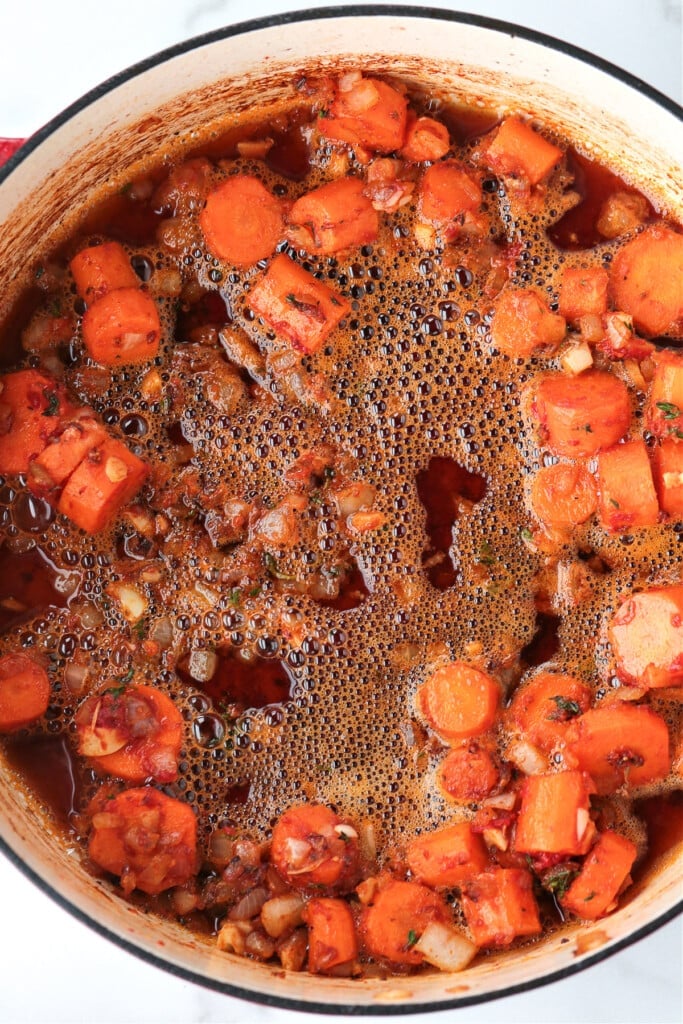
[{"x": 8, "y": 148}]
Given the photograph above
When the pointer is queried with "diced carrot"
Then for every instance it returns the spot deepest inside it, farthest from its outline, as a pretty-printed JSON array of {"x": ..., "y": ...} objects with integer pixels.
[
  {"x": 122, "y": 327},
  {"x": 64, "y": 452},
  {"x": 426, "y": 139},
  {"x": 542, "y": 708},
  {"x": 602, "y": 876},
  {"x": 333, "y": 217},
  {"x": 299, "y": 308},
  {"x": 522, "y": 322},
  {"x": 368, "y": 112},
  {"x": 554, "y": 816},
  {"x": 447, "y": 856},
  {"x": 664, "y": 414},
  {"x": 626, "y": 492},
  {"x": 242, "y": 221},
  {"x": 580, "y": 415},
  {"x": 30, "y": 408},
  {"x": 146, "y": 837},
  {"x": 646, "y": 635},
  {"x": 499, "y": 906},
  {"x": 313, "y": 847},
  {"x": 667, "y": 466},
  {"x": 332, "y": 937},
  {"x": 623, "y": 744},
  {"x": 468, "y": 773},
  {"x": 459, "y": 700},
  {"x": 447, "y": 193},
  {"x": 563, "y": 495},
  {"x": 583, "y": 292},
  {"x": 100, "y": 269},
  {"x": 394, "y": 921},
  {"x": 102, "y": 483},
  {"x": 135, "y": 734},
  {"x": 646, "y": 280},
  {"x": 24, "y": 691},
  {"x": 517, "y": 150}
]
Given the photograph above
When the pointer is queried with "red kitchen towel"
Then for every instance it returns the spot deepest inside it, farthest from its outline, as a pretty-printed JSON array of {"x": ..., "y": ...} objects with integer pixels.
[{"x": 8, "y": 147}]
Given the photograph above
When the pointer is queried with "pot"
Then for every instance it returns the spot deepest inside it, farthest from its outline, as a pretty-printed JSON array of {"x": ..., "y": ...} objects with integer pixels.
[{"x": 96, "y": 145}]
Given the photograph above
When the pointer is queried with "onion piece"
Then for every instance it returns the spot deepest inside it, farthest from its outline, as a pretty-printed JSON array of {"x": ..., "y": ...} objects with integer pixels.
[
  {"x": 202, "y": 665},
  {"x": 132, "y": 604},
  {"x": 528, "y": 758},
  {"x": 445, "y": 947},
  {"x": 162, "y": 632},
  {"x": 281, "y": 914},
  {"x": 250, "y": 905},
  {"x": 577, "y": 358}
]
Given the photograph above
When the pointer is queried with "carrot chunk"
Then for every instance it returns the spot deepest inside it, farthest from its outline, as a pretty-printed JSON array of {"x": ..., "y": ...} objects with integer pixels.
[
  {"x": 468, "y": 773},
  {"x": 366, "y": 112},
  {"x": 332, "y": 939},
  {"x": 522, "y": 322},
  {"x": 426, "y": 139},
  {"x": 554, "y": 815},
  {"x": 664, "y": 414},
  {"x": 646, "y": 635},
  {"x": 299, "y": 308},
  {"x": 623, "y": 744},
  {"x": 667, "y": 467},
  {"x": 517, "y": 150},
  {"x": 242, "y": 221},
  {"x": 459, "y": 701},
  {"x": 394, "y": 921},
  {"x": 100, "y": 269},
  {"x": 122, "y": 327},
  {"x": 146, "y": 837},
  {"x": 24, "y": 691},
  {"x": 336, "y": 216},
  {"x": 499, "y": 906},
  {"x": 626, "y": 492},
  {"x": 563, "y": 495},
  {"x": 102, "y": 483},
  {"x": 447, "y": 193},
  {"x": 49, "y": 471},
  {"x": 580, "y": 415},
  {"x": 312, "y": 846},
  {"x": 583, "y": 292},
  {"x": 448, "y": 856},
  {"x": 30, "y": 408},
  {"x": 542, "y": 708},
  {"x": 603, "y": 875},
  {"x": 646, "y": 280}
]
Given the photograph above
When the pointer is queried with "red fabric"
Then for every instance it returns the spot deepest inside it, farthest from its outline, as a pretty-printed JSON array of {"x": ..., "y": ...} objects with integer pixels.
[{"x": 8, "y": 147}]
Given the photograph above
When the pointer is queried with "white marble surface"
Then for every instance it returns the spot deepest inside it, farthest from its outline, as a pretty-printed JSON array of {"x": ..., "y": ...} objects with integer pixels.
[{"x": 52, "y": 968}]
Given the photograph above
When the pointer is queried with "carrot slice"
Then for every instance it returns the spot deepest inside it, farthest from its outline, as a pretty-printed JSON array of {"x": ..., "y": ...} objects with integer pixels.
[
  {"x": 626, "y": 492},
  {"x": 394, "y": 921},
  {"x": 133, "y": 732},
  {"x": 100, "y": 269},
  {"x": 646, "y": 280},
  {"x": 242, "y": 221},
  {"x": 368, "y": 112},
  {"x": 583, "y": 292},
  {"x": 24, "y": 691},
  {"x": 332, "y": 939},
  {"x": 122, "y": 327},
  {"x": 447, "y": 856},
  {"x": 646, "y": 635},
  {"x": 468, "y": 773},
  {"x": 146, "y": 837},
  {"x": 30, "y": 408},
  {"x": 313, "y": 847},
  {"x": 299, "y": 308},
  {"x": 426, "y": 139},
  {"x": 499, "y": 906},
  {"x": 542, "y": 708},
  {"x": 447, "y": 193},
  {"x": 64, "y": 452},
  {"x": 623, "y": 744},
  {"x": 459, "y": 700},
  {"x": 563, "y": 495},
  {"x": 554, "y": 814},
  {"x": 603, "y": 875},
  {"x": 336, "y": 216},
  {"x": 102, "y": 483},
  {"x": 517, "y": 150},
  {"x": 667, "y": 466},
  {"x": 580, "y": 415},
  {"x": 522, "y": 322},
  {"x": 664, "y": 414}
]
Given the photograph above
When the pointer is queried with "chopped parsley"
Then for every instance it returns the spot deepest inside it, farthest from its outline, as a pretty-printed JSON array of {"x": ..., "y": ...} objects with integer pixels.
[
  {"x": 671, "y": 411},
  {"x": 557, "y": 882},
  {"x": 412, "y": 939},
  {"x": 273, "y": 569},
  {"x": 52, "y": 402},
  {"x": 526, "y": 534},
  {"x": 565, "y": 709},
  {"x": 234, "y": 597}
]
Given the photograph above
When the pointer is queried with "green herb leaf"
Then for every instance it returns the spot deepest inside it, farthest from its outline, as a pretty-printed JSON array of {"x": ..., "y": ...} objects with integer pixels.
[
  {"x": 526, "y": 534},
  {"x": 52, "y": 402},
  {"x": 412, "y": 939},
  {"x": 235, "y": 596},
  {"x": 558, "y": 882},
  {"x": 255, "y": 591},
  {"x": 675, "y": 432},
  {"x": 486, "y": 555},
  {"x": 671, "y": 411},
  {"x": 139, "y": 629},
  {"x": 565, "y": 709},
  {"x": 271, "y": 565}
]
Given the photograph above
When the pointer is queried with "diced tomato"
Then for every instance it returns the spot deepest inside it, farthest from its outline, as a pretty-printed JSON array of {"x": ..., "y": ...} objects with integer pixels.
[
  {"x": 447, "y": 856},
  {"x": 31, "y": 405},
  {"x": 517, "y": 150},
  {"x": 333, "y": 217},
  {"x": 646, "y": 280},
  {"x": 64, "y": 452},
  {"x": 499, "y": 906},
  {"x": 368, "y": 112},
  {"x": 583, "y": 292},
  {"x": 667, "y": 465},
  {"x": 122, "y": 327},
  {"x": 242, "y": 221},
  {"x": 102, "y": 483},
  {"x": 314, "y": 848},
  {"x": 603, "y": 875},
  {"x": 426, "y": 139},
  {"x": 626, "y": 492},
  {"x": 522, "y": 322},
  {"x": 646, "y": 634},
  {"x": 554, "y": 815},
  {"x": 620, "y": 745},
  {"x": 24, "y": 691},
  {"x": 394, "y": 921},
  {"x": 664, "y": 414},
  {"x": 102, "y": 268},
  {"x": 580, "y": 415},
  {"x": 447, "y": 193},
  {"x": 332, "y": 937}
]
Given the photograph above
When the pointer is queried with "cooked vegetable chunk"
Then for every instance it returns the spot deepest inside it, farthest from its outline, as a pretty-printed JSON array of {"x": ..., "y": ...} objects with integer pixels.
[
  {"x": 646, "y": 634},
  {"x": 580, "y": 415},
  {"x": 24, "y": 691},
  {"x": 563, "y": 495},
  {"x": 332, "y": 937},
  {"x": 242, "y": 221},
  {"x": 65, "y": 450},
  {"x": 426, "y": 139},
  {"x": 366, "y": 112},
  {"x": 646, "y": 280},
  {"x": 396, "y": 918},
  {"x": 664, "y": 411},
  {"x": 603, "y": 874},
  {"x": 554, "y": 816},
  {"x": 313, "y": 847},
  {"x": 468, "y": 773},
  {"x": 447, "y": 194},
  {"x": 624, "y": 744},
  {"x": 30, "y": 409},
  {"x": 627, "y": 498},
  {"x": 333, "y": 217},
  {"x": 499, "y": 906},
  {"x": 667, "y": 466},
  {"x": 517, "y": 150},
  {"x": 122, "y": 327},
  {"x": 102, "y": 483},
  {"x": 447, "y": 856},
  {"x": 583, "y": 292},
  {"x": 542, "y": 708},
  {"x": 522, "y": 323},
  {"x": 459, "y": 700},
  {"x": 100, "y": 269}
]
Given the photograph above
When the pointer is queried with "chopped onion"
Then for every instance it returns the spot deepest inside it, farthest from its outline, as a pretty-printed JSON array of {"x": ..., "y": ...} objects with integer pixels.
[
  {"x": 281, "y": 913},
  {"x": 75, "y": 677},
  {"x": 250, "y": 905},
  {"x": 354, "y": 497},
  {"x": 501, "y": 801},
  {"x": 230, "y": 939},
  {"x": 528, "y": 758},
  {"x": 162, "y": 632},
  {"x": 347, "y": 81},
  {"x": 445, "y": 947},
  {"x": 577, "y": 359},
  {"x": 132, "y": 603},
  {"x": 202, "y": 665}
]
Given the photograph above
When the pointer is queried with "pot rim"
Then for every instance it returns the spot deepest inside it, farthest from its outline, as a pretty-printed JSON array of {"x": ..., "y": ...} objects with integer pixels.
[{"x": 15, "y": 161}]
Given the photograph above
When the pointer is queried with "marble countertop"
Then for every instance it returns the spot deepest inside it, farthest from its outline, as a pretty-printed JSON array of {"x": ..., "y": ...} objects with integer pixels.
[{"x": 53, "y": 968}]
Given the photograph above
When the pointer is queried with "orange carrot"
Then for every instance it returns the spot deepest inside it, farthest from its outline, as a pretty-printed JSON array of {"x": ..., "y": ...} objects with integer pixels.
[
  {"x": 646, "y": 280},
  {"x": 146, "y": 837},
  {"x": 542, "y": 708},
  {"x": 468, "y": 773},
  {"x": 583, "y": 292},
  {"x": 299, "y": 308},
  {"x": 100, "y": 269},
  {"x": 31, "y": 405},
  {"x": 623, "y": 744},
  {"x": 522, "y": 322},
  {"x": 64, "y": 452},
  {"x": 426, "y": 139},
  {"x": 580, "y": 415},
  {"x": 336, "y": 216},
  {"x": 667, "y": 466},
  {"x": 102, "y": 483},
  {"x": 459, "y": 700},
  {"x": 646, "y": 635},
  {"x": 313, "y": 847},
  {"x": 626, "y": 493},
  {"x": 447, "y": 856},
  {"x": 603, "y": 874},
  {"x": 394, "y": 921},
  {"x": 242, "y": 221},
  {"x": 517, "y": 150},
  {"x": 24, "y": 691},
  {"x": 554, "y": 815},
  {"x": 122, "y": 327},
  {"x": 366, "y": 112},
  {"x": 499, "y": 906},
  {"x": 332, "y": 937},
  {"x": 447, "y": 193},
  {"x": 133, "y": 732},
  {"x": 563, "y": 495},
  {"x": 664, "y": 413}
]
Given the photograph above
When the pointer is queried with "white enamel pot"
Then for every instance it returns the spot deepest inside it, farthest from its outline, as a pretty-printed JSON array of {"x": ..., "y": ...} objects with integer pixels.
[{"x": 171, "y": 99}]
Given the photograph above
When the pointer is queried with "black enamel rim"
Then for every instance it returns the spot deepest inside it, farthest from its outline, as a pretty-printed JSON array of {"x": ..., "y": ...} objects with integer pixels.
[{"x": 15, "y": 161}]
